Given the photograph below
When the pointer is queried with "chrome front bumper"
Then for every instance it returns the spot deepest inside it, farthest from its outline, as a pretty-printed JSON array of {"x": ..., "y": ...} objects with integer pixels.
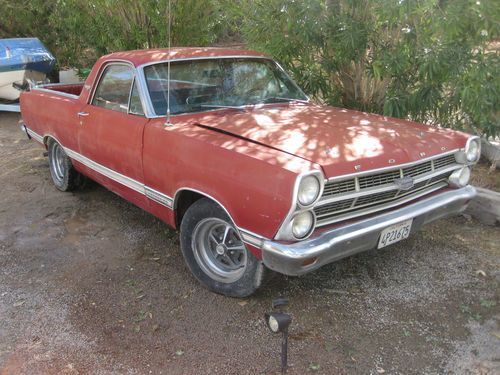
[{"x": 305, "y": 256}]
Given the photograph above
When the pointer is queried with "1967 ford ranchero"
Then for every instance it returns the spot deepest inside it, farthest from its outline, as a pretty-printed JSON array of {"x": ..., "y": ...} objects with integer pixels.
[{"x": 252, "y": 172}]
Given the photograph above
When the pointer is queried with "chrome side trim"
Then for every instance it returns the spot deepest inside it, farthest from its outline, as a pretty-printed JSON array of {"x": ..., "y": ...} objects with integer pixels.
[
  {"x": 55, "y": 92},
  {"x": 43, "y": 88},
  {"x": 251, "y": 238},
  {"x": 247, "y": 236},
  {"x": 105, "y": 171},
  {"x": 33, "y": 135},
  {"x": 158, "y": 197}
]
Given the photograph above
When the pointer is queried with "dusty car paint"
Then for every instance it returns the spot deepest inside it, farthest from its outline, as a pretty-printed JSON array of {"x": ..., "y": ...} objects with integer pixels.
[{"x": 246, "y": 160}]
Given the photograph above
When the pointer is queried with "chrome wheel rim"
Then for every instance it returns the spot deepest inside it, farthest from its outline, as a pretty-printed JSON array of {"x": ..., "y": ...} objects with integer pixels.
[
  {"x": 218, "y": 250},
  {"x": 57, "y": 162}
]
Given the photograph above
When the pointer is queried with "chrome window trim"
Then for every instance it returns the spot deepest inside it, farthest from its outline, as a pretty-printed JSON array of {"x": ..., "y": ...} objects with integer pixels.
[
  {"x": 130, "y": 94},
  {"x": 98, "y": 81},
  {"x": 134, "y": 82},
  {"x": 149, "y": 104},
  {"x": 203, "y": 58}
]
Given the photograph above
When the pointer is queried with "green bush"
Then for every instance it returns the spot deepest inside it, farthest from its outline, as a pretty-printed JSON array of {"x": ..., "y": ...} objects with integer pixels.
[
  {"x": 434, "y": 61},
  {"x": 78, "y": 32},
  {"x": 428, "y": 60}
]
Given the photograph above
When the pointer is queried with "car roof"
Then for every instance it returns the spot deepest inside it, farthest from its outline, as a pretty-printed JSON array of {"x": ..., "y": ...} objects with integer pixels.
[{"x": 147, "y": 56}]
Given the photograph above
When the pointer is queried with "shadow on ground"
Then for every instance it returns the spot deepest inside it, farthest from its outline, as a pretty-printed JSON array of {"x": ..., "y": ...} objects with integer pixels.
[{"x": 91, "y": 284}]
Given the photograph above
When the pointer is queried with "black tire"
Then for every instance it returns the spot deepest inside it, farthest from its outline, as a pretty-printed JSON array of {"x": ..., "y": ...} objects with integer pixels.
[
  {"x": 64, "y": 175},
  {"x": 244, "y": 280}
]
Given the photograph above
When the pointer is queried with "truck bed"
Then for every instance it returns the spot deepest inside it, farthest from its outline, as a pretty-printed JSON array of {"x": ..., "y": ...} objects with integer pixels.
[
  {"x": 52, "y": 109},
  {"x": 66, "y": 88}
]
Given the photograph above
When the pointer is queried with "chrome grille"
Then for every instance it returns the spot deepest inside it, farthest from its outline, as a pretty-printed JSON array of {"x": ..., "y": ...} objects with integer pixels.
[
  {"x": 356, "y": 196},
  {"x": 444, "y": 161},
  {"x": 378, "y": 179},
  {"x": 367, "y": 199},
  {"x": 418, "y": 169},
  {"x": 339, "y": 187},
  {"x": 335, "y": 206}
]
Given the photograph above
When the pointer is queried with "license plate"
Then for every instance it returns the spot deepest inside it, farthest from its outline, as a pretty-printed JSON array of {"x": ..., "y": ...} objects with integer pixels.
[{"x": 395, "y": 233}]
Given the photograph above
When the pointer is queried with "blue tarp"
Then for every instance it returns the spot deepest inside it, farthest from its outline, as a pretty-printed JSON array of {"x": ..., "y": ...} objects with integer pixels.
[{"x": 25, "y": 53}]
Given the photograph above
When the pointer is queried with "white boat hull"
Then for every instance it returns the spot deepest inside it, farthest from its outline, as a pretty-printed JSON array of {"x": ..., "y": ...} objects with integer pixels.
[{"x": 9, "y": 92}]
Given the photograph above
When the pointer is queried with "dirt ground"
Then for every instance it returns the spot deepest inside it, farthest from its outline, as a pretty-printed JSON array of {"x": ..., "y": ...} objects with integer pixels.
[{"x": 91, "y": 284}]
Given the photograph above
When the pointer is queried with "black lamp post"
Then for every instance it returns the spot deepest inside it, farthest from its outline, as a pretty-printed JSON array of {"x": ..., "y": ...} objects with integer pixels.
[{"x": 279, "y": 322}]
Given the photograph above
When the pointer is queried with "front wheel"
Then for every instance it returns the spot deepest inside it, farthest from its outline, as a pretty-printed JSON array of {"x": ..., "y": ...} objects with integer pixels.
[{"x": 215, "y": 253}]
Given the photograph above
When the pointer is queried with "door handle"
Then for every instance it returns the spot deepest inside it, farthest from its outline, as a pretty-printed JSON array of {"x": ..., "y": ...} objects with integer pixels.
[{"x": 82, "y": 114}]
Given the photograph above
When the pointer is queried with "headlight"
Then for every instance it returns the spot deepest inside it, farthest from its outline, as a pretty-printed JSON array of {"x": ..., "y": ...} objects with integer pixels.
[
  {"x": 460, "y": 177},
  {"x": 309, "y": 189},
  {"x": 473, "y": 150},
  {"x": 302, "y": 224}
]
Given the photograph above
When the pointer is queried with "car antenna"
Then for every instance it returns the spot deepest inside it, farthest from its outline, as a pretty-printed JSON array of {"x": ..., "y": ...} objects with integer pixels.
[{"x": 168, "y": 123}]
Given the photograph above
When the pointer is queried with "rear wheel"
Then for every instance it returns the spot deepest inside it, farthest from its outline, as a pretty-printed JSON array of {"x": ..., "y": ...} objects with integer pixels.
[
  {"x": 215, "y": 253},
  {"x": 64, "y": 175}
]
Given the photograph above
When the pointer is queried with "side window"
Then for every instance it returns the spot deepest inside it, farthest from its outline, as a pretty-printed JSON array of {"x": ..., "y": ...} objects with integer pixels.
[
  {"x": 113, "y": 89},
  {"x": 135, "y": 101}
]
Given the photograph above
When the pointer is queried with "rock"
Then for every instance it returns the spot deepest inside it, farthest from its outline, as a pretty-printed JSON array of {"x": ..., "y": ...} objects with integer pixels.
[
  {"x": 485, "y": 207},
  {"x": 69, "y": 76},
  {"x": 490, "y": 149}
]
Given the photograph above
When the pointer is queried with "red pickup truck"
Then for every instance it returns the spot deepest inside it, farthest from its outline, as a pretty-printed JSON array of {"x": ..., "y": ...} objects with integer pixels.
[{"x": 252, "y": 173}]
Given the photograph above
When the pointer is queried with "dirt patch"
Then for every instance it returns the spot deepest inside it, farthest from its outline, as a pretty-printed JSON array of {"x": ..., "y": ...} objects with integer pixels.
[
  {"x": 91, "y": 284},
  {"x": 486, "y": 177}
]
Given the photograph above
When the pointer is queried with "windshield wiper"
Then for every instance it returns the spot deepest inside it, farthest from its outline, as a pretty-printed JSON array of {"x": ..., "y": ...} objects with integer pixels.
[{"x": 274, "y": 99}]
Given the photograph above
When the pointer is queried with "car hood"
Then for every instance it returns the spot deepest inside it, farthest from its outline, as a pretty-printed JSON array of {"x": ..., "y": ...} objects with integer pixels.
[{"x": 341, "y": 141}]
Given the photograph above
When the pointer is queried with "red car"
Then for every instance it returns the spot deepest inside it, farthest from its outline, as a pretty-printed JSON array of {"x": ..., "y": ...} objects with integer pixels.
[{"x": 250, "y": 171}]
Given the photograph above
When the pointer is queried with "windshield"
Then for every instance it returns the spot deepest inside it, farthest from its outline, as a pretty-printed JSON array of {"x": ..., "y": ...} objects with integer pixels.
[{"x": 200, "y": 85}]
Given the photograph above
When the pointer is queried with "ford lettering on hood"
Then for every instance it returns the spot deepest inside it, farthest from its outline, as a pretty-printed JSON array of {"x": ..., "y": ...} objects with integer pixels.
[{"x": 341, "y": 141}]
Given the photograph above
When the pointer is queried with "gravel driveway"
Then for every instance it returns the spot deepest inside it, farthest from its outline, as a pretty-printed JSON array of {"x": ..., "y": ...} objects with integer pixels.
[{"x": 91, "y": 284}]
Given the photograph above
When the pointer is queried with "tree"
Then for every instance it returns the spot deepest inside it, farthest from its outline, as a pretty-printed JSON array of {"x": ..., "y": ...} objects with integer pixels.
[
  {"x": 78, "y": 32},
  {"x": 428, "y": 60}
]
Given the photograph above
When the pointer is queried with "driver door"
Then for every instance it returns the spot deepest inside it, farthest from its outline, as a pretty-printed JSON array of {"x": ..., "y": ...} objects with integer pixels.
[{"x": 111, "y": 128}]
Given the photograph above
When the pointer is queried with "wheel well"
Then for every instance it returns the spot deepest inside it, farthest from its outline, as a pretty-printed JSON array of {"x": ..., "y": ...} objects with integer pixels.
[
  {"x": 183, "y": 202},
  {"x": 46, "y": 141}
]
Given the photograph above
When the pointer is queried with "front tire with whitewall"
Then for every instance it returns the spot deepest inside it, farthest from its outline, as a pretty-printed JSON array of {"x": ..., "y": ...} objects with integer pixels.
[{"x": 215, "y": 254}]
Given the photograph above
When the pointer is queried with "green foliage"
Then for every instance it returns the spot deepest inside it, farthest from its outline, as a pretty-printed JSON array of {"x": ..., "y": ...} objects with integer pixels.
[
  {"x": 428, "y": 60},
  {"x": 434, "y": 61},
  {"x": 78, "y": 32}
]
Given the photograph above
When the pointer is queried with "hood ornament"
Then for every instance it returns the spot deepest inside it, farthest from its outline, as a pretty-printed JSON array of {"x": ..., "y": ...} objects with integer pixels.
[{"x": 404, "y": 183}]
